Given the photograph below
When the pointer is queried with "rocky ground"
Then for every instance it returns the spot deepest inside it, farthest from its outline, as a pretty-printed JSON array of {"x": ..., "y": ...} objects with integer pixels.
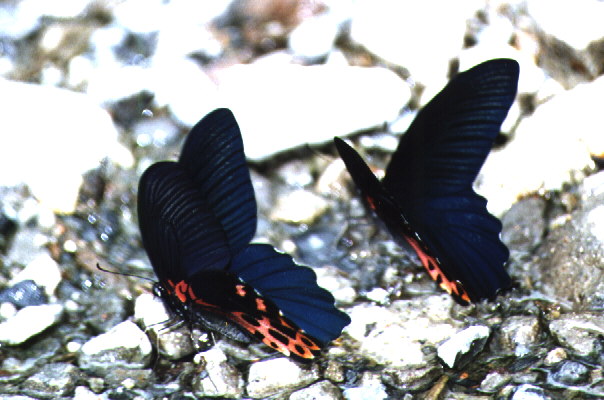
[{"x": 96, "y": 91}]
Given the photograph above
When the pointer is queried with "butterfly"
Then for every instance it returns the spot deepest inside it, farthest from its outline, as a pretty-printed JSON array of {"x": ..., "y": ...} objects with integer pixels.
[
  {"x": 197, "y": 217},
  {"x": 426, "y": 199}
]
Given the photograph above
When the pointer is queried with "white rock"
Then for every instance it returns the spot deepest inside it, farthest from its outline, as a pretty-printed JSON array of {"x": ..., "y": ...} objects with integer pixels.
[
  {"x": 299, "y": 207},
  {"x": 279, "y": 107},
  {"x": 554, "y": 18},
  {"x": 403, "y": 32},
  {"x": 550, "y": 148},
  {"x": 50, "y": 138},
  {"x": 124, "y": 345},
  {"x": 271, "y": 376},
  {"x": 43, "y": 270},
  {"x": 460, "y": 343},
  {"x": 28, "y": 322},
  {"x": 320, "y": 390},
  {"x": 395, "y": 335},
  {"x": 370, "y": 388},
  {"x": 314, "y": 37}
]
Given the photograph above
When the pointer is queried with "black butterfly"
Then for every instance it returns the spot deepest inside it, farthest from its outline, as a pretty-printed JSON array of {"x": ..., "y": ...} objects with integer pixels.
[
  {"x": 197, "y": 217},
  {"x": 426, "y": 198}
]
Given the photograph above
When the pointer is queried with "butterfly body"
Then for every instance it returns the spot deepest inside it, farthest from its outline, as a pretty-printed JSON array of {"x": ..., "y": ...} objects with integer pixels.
[
  {"x": 197, "y": 217},
  {"x": 426, "y": 198}
]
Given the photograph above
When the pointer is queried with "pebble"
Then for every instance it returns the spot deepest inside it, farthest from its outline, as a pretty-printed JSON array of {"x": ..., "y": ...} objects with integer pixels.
[
  {"x": 173, "y": 342},
  {"x": 579, "y": 333},
  {"x": 571, "y": 373},
  {"x": 218, "y": 378},
  {"x": 52, "y": 381},
  {"x": 28, "y": 322},
  {"x": 43, "y": 271},
  {"x": 23, "y": 294},
  {"x": 529, "y": 392},
  {"x": 320, "y": 390},
  {"x": 555, "y": 356},
  {"x": 352, "y": 99},
  {"x": 266, "y": 378},
  {"x": 494, "y": 381},
  {"x": 396, "y": 335},
  {"x": 314, "y": 38},
  {"x": 461, "y": 347},
  {"x": 125, "y": 345},
  {"x": 520, "y": 334},
  {"x": 40, "y": 122},
  {"x": 299, "y": 207},
  {"x": 370, "y": 388}
]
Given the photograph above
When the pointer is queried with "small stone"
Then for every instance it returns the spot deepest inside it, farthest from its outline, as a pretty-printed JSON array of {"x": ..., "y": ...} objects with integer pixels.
[
  {"x": 520, "y": 334},
  {"x": 299, "y": 207},
  {"x": 314, "y": 37},
  {"x": 413, "y": 380},
  {"x": 218, "y": 378},
  {"x": 555, "y": 356},
  {"x": 529, "y": 392},
  {"x": 44, "y": 271},
  {"x": 571, "y": 373},
  {"x": 174, "y": 342},
  {"x": 494, "y": 381},
  {"x": 129, "y": 378},
  {"x": 23, "y": 294},
  {"x": 320, "y": 390},
  {"x": 370, "y": 388},
  {"x": 52, "y": 381},
  {"x": 28, "y": 322},
  {"x": 579, "y": 333},
  {"x": 334, "y": 371},
  {"x": 272, "y": 376},
  {"x": 83, "y": 393},
  {"x": 125, "y": 345},
  {"x": 461, "y": 347}
]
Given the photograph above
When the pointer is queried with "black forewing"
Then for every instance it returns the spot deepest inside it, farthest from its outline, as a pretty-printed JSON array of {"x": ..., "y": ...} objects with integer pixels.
[
  {"x": 432, "y": 172},
  {"x": 293, "y": 288},
  {"x": 178, "y": 232},
  {"x": 448, "y": 141},
  {"x": 362, "y": 176},
  {"x": 213, "y": 157}
]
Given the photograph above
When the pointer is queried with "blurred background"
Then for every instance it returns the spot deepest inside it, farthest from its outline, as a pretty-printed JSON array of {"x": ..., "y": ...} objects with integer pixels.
[{"x": 94, "y": 91}]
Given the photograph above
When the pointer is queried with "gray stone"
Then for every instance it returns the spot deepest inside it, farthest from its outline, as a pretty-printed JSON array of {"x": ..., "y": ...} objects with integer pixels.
[
  {"x": 529, "y": 392},
  {"x": 370, "y": 388},
  {"x": 320, "y": 390},
  {"x": 23, "y": 294},
  {"x": 28, "y": 322},
  {"x": 524, "y": 226},
  {"x": 461, "y": 347},
  {"x": 571, "y": 373},
  {"x": 494, "y": 381},
  {"x": 218, "y": 378},
  {"x": 52, "y": 381},
  {"x": 125, "y": 345},
  {"x": 579, "y": 333},
  {"x": 520, "y": 334},
  {"x": 269, "y": 377}
]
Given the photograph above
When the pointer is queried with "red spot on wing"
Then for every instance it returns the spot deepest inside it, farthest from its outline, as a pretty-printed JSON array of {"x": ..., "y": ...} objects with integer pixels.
[
  {"x": 432, "y": 265},
  {"x": 260, "y": 305},
  {"x": 240, "y": 290}
]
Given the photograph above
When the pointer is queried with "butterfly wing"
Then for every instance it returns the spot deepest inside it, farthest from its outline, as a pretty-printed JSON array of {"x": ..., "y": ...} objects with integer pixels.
[
  {"x": 433, "y": 169},
  {"x": 179, "y": 234},
  {"x": 293, "y": 289},
  {"x": 213, "y": 157}
]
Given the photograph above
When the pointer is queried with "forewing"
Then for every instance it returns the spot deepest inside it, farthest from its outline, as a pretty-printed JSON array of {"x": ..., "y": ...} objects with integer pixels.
[
  {"x": 448, "y": 141},
  {"x": 178, "y": 232},
  {"x": 213, "y": 157},
  {"x": 293, "y": 289}
]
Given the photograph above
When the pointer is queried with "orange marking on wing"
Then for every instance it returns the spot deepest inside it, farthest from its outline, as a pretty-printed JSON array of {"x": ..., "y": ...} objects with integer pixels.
[
  {"x": 260, "y": 305},
  {"x": 240, "y": 290},
  {"x": 370, "y": 202},
  {"x": 432, "y": 266},
  {"x": 180, "y": 290},
  {"x": 302, "y": 345}
]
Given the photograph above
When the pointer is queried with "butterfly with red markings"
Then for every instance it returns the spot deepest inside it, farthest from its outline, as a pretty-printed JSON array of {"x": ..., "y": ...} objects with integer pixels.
[
  {"x": 197, "y": 217},
  {"x": 426, "y": 199}
]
